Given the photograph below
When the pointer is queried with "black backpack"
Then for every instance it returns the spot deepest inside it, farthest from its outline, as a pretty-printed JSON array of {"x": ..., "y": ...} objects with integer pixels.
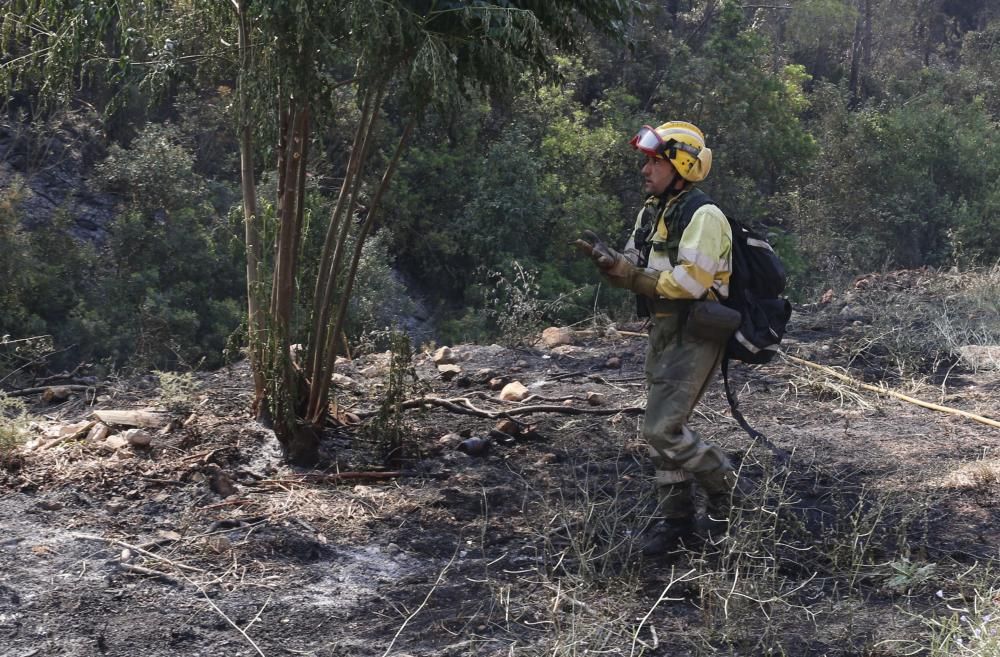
[{"x": 755, "y": 287}]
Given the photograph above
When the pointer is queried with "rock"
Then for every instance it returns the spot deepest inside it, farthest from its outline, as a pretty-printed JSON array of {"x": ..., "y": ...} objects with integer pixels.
[
  {"x": 450, "y": 440},
  {"x": 474, "y": 446},
  {"x": 567, "y": 402},
  {"x": 613, "y": 363},
  {"x": 56, "y": 394},
  {"x": 522, "y": 364},
  {"x": 567, "y": 350},
  {"x": 596, "y": 399},
  {"x": 827, "y": 297},
  {"x": 513, "y": 391},
  {"x": 115, "y": 442},
  {"x": 444, "y": 356},
  {"x": 449, "y": 372},
  {"x": 98, "y": 433},
  {"x": 981, "y": 357},
  {"x": 508, "y": 426},
  {"x": 555, "y": 336},
  {"x": 138, "y": 438},
  {"x": 343, "y": 382},
  {"x": 483, "y": 375},
  {"x": 498, "y": 382}
]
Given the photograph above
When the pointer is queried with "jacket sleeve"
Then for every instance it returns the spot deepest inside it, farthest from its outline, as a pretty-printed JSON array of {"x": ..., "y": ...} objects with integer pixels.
[
  {"x": 704, "y": 258},
  {"x": 630, "y": 252}
]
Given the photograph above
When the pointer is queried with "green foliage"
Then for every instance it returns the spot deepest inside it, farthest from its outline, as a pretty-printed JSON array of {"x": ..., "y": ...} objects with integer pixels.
[
  {"x": 170, "y": 296},
  {"x": 901, "y": 187},
  {"x": 379, "y": 301},
  {"x": 13, "y": 430},
  {"x": 177, "y": 390},
  {"x": 170, "y": 299},
  {"x": 155, "y": 173},
  {"x": 387, "y": 428},
  {"x": 514, "y": 306},
  {"x": 44, "y": 272}
]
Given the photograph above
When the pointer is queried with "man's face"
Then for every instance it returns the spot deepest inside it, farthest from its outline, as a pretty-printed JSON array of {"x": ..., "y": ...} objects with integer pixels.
[{"x": 657, "y": 175}]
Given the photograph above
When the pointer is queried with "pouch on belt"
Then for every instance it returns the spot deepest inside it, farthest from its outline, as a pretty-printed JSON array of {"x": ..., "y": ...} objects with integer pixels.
[{"x": 710, "y": 320}]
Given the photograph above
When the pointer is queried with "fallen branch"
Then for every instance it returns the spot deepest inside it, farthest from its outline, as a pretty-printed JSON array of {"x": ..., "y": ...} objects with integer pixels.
[
  {"x": 463, "y": 406},
  {"x": 24, "y": 392},
  {"x": 883, "y": 390},
  {"x": 142, "y": 570},
  {"x": 331, "y": 478},
  {"x": 145, "y": 553}
]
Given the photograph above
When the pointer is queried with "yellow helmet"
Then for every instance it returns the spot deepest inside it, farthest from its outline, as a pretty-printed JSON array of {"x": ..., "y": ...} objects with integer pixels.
[{"x": 680, "y": 142}]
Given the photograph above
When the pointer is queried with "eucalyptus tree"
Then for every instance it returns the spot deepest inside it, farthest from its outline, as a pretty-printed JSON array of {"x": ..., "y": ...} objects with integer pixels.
[
  {"x": 296, "y": 62},
  {"x": 407, "y": 54}
]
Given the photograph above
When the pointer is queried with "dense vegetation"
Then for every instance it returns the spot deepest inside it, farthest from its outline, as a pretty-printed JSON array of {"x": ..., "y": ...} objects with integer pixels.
[{"x": 863, "y": 134}]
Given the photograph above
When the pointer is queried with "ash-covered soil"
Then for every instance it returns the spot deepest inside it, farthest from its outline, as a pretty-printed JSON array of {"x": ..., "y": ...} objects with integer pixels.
[{"x": 204, "y": 543}]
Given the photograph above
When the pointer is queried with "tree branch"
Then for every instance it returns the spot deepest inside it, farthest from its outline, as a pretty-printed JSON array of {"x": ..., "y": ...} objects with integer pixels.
[{"x": 463, "y": 406}]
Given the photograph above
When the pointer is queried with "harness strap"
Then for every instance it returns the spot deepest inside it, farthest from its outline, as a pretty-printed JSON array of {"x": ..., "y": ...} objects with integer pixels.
[{"x": 780, "y": 455}]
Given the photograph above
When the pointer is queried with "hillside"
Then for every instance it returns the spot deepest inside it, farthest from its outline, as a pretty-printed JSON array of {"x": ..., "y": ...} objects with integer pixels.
[{"x": 879, "y": 536}]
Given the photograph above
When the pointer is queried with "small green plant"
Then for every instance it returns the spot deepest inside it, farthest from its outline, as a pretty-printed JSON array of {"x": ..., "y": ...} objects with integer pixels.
[
  {"x": 177, "y": 390},
  {"x": 13, "y": 430},
  {"x": 906, "y": 575},
  {"x": 387, "y": 429}
]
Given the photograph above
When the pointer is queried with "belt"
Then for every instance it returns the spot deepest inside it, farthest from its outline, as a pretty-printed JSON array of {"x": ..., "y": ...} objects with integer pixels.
[{"x": 669, "y": 306}]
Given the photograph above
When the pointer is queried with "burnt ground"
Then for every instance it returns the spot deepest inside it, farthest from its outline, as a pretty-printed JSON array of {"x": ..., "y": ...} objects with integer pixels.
[{"x": 884, "y": 520}]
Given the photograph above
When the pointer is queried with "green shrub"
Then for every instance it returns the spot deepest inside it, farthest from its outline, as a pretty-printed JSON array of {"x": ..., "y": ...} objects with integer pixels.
[
  {"x": 177, "y": 390},
  {"x": 13, "y": 430}
]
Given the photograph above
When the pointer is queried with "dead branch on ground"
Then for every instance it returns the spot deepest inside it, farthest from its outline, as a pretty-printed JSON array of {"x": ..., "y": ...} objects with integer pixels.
[{"x": 463, "y": 406}]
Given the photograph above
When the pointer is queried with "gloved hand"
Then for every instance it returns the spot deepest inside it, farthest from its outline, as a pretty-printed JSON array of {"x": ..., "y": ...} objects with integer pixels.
[
  {"x": 603, "y": 255},
  {"x": 618, "y": 271}
]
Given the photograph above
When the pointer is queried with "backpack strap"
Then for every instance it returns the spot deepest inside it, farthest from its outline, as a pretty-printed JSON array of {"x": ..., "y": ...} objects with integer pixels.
[{"x": 780, "y": 455}]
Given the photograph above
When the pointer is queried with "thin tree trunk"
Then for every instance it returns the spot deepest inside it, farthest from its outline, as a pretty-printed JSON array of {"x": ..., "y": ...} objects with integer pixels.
[
  {"x": 324, "y": 283},
  {"x": 323, "y": 340},
  {"x": 358, "y": 244},
  {"x": 300, "y": 444},
  {"x": 251, "y": 221},
  {"x": 856, "y": 51}
]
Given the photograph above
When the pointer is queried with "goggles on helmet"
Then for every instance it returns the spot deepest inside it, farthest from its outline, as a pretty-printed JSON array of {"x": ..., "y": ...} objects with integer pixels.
[{"x": 649, "y": 142}]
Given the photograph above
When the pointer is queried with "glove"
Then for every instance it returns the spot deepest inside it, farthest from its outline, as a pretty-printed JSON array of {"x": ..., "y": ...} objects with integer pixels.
[
  {"x": 603, "y": 255},
  {"x": 618, "y": 271}
]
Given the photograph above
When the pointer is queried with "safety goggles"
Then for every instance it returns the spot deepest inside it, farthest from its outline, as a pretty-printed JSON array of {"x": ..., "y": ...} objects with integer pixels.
[{"x": 649, "y": 142}]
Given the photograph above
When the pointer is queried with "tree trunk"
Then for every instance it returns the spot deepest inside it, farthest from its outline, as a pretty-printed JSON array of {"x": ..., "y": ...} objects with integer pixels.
[
  {"x": 358, "y": 244},
  {"x": 251, "y": 220},
  {"x": 287, "y": 385},
  {"x": 323, "y": 342},
  {"x": 856, "y": 52}
]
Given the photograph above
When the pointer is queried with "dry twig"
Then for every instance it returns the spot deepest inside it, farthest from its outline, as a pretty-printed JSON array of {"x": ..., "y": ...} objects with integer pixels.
[
  {"x": 463, "y": 406},
  {"x": 884, "y": 390}
]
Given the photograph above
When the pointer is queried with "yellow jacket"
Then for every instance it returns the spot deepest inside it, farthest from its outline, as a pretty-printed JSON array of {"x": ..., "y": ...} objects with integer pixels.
[{"x": 704, "y": 253}]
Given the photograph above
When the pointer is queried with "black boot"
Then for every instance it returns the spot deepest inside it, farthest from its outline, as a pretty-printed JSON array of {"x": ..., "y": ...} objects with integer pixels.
[
  {"x": 668, "y": 535},
  {"x": 723, "y": 488}
]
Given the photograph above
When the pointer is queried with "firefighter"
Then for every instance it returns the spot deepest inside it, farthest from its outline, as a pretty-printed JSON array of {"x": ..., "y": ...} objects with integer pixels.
[{"x": 670, "y": 267}]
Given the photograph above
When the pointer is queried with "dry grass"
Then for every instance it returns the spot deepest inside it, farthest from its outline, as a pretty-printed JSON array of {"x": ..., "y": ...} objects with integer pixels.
[{"x": 917, "y": 321}]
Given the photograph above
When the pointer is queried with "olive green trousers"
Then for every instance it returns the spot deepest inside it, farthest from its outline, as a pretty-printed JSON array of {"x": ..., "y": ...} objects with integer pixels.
[{"x": 678, "y": 369}]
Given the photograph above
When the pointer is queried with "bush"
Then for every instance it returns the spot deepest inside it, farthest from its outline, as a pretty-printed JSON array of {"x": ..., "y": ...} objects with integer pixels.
[{"x": 13, "y": 430}]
